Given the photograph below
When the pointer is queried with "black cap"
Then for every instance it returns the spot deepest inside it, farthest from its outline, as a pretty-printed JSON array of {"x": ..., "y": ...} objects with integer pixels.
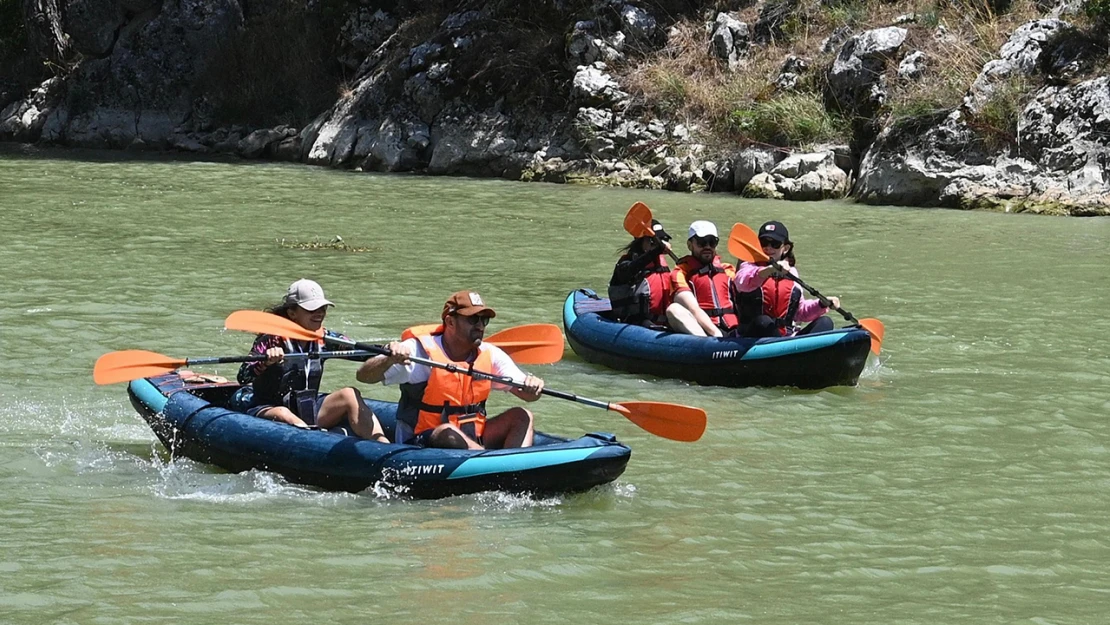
[
  {"x": 774, "y": 230},
  {"x": 659, "y": 231}
]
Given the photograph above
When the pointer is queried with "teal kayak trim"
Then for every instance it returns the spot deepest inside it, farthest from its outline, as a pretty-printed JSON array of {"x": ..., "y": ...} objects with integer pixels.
[
  {"x": 484, "y": 465},
  {"x": 793, "y": 345},
  {"x": 149, "y": 395}
]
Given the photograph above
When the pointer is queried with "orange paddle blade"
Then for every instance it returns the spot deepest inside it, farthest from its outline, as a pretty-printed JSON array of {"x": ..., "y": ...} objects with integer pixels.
[
  {"x": 532, "y": 344},
  {"x": 743, "y": 243},
  {"x": 132, "y": 364},
  {"x": 268, "y": 323},
  {"x": 875, "y": 328},
  {"x": 637, "y": 221},
  {"x": 673, "y": 421}
]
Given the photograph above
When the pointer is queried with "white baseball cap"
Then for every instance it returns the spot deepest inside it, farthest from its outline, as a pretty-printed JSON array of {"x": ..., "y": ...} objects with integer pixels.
[
  {"x": 702, "y": 229},
  {"x": 307, "y": 294}
]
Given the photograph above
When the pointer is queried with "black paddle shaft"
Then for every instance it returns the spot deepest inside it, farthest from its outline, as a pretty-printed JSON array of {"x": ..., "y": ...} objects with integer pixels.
[
  {"x": 824, "y": 300},
  {"x": 259, "y": 358},
  {"x": 482, "y": 375}
]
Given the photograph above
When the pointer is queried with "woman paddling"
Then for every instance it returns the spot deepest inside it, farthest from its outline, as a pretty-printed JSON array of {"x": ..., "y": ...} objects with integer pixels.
[
  {"x": 769, "y": 303},
  {"x": 288, "y": 390},
  {"x": 640, "y": 289}
]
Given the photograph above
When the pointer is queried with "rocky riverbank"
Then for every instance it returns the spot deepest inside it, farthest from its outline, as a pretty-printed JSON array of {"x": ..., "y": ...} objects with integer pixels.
[{"x": 554, "y": 92}]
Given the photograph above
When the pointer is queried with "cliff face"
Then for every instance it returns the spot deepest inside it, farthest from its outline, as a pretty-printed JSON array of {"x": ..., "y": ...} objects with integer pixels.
[{"x": 553, "y": 91}]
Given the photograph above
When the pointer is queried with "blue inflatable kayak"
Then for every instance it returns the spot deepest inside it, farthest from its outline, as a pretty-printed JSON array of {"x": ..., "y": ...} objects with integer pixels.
[
  {"x": 193, "y": 420},
  {"x": 815, "y": 360}
]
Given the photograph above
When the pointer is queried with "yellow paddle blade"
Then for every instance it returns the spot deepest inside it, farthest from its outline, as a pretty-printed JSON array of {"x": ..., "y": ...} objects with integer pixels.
[
  {"x": 260, "y": 322},
  {"x": 637, "y": 221},
  {"x": 532, "y": 344},
  {"x": 132, "y": 364},
  {"x": 743, "y": 243},
  {"x": 673, "y": 421},
  {"x": 875, "y": 328}
]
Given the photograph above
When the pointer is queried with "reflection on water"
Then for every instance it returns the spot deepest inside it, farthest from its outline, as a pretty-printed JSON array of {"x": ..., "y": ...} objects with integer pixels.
[{"x": 963, "y": 480}]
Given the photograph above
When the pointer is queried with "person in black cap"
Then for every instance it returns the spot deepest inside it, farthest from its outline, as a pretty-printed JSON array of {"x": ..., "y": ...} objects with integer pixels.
[
  {"x": 640, "y": 289},
  {"x": 770, "y": 303}
]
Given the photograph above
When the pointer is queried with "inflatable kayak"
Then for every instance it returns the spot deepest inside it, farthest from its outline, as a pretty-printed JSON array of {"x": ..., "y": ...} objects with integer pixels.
[
  {"x": 815, "y": 360},
  {"x": 194, "y": 417}
]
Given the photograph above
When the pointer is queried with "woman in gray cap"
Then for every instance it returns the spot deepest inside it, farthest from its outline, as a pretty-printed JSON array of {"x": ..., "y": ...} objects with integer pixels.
[{"x": 288, "y": 390}]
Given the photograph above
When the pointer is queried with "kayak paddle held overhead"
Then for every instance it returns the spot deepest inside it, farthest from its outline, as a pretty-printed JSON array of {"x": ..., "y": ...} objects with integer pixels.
[
  {"x": 671, "y": 421},
  {"x": 637, "y": 222},
  {"x": 743, "y": 243}
]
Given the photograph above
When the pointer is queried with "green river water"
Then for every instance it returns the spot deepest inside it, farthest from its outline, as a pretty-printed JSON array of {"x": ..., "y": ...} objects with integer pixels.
[{"x": 964, "y": 480}]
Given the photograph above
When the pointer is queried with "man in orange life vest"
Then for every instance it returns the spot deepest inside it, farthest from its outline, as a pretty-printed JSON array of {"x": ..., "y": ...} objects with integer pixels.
[
  {"x": 702, "y": 295},
  {"x": 440, "y": 408}
]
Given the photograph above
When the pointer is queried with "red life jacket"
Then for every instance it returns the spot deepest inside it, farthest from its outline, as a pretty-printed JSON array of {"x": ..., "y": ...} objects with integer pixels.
[
  {"x": 778, "y": 298},
  {"x": 647, "y": 297},
  {"x": 712, "y": 286}
]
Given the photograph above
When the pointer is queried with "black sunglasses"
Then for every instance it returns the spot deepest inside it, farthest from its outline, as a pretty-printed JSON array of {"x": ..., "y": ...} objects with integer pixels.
[
  {"x": 771, "y": 243},
  {"x": 707, "y": 241},
  {"x": 483, "y": 320}
]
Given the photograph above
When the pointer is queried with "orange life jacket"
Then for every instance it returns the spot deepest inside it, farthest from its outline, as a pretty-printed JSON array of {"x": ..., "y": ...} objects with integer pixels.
[
  {"x": 711, "y": 285},
  {"x": 447, "y": 397},
  {"x": 778, "y": 298}
]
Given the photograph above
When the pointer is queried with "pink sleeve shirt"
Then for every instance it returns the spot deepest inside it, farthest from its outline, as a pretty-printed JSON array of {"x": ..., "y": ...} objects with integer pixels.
[{"x": 747, "y": 280}]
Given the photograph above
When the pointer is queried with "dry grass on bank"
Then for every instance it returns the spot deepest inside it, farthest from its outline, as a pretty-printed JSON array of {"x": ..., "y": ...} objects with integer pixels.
[{"x": 682, "y": 81}]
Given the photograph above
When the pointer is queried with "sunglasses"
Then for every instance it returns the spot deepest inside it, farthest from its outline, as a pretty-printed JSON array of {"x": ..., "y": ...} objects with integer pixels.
[
  {"x": 771, "y": 243},
  {"x": 482, "y": 320},
  {"x": 706, "y": 241}
]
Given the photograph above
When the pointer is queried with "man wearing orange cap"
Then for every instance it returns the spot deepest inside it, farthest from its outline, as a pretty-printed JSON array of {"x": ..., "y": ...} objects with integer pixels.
[{"x": 441, "y": 408}]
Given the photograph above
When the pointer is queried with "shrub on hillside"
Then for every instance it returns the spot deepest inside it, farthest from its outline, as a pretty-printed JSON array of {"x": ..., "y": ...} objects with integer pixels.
[{"x": 791, "y": 119}]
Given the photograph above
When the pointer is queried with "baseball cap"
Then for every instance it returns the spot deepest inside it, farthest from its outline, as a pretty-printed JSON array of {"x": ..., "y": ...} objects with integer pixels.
[
  {"x": 659, "y": 231},
  {"x": 307, "y": 294},
  {"x": 702, "y": 229},
  {"x": 775, "y": 231},
  {"x": 466, "y": 303}
]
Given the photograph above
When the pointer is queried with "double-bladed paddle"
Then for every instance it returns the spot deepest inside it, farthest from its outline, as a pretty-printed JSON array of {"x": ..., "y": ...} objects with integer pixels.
[
  {"x": 530, "y": 344},
  {"x": 672, "y": 421},
  {"x": 132, "y": 364},
  {"x": 533, "y": 344},
  {"x": 743, "y": 243},
  {"x": 637, "y": 222}
]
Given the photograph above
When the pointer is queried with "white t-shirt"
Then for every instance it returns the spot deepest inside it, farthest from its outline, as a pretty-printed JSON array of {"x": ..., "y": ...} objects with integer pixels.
[{"x": 413, "y": 373}]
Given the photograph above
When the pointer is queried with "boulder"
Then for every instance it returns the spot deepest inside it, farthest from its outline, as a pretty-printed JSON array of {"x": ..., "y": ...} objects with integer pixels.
[{"x": 802, "y": 177}]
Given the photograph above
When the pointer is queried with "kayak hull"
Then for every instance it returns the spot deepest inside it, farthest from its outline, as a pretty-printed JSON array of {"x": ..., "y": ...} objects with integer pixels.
[
  {"x": 195, "y": 421},
  {"x": 815, "y": 360}
]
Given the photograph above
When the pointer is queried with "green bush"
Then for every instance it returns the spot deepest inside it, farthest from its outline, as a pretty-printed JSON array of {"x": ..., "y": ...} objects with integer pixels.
[
  {"x": 788, "y": 120},
  {"x": 1098, "y": 11},
  {"x": 997, "y": 120}
]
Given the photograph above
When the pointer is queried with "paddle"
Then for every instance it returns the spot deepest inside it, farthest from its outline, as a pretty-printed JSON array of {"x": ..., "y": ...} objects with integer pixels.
[
  {"x": 531, "y": 344},
  {"x": 637, "y": 222},
  {"x": 672, "y": 421},
  {"x": 743, "y": 243},
  {"x": 132, "y": 364}
]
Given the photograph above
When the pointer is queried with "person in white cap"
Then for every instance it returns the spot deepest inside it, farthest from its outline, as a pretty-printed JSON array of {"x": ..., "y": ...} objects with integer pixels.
[
  {"x": 289, "y": 391},
  {"x": 701, "y": 284}
]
